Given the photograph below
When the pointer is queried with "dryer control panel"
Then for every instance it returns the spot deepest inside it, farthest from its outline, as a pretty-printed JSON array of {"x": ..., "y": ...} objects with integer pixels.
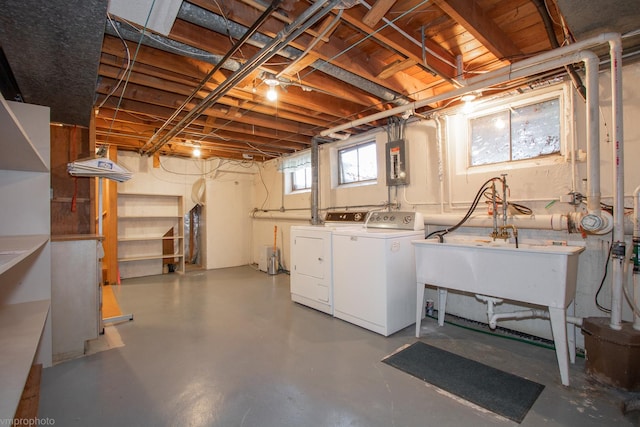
[
  {"x": 356, "y": 217},
  {"x": 396, "y": 220}
]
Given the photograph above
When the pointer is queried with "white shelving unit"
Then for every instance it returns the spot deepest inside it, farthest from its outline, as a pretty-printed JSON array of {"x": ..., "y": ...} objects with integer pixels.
[
  {"x": 25, "y": 255},
  {"x": 143, "y": 221}
]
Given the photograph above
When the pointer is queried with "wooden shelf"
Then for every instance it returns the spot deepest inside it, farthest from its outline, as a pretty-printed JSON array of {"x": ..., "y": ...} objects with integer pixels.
[
  {"x": 21, "y": 326},
  {"x": 146, "y": 257},
  {"x": 18, "y": 151},
  {"x": 146, "y": 223},
  {"x": 14, "y": 249},
  {"x": 144, "y": 238},
  {"x": 25, "y": 259}
]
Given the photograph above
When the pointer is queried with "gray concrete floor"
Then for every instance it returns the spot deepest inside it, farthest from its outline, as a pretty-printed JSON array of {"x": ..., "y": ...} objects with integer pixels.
[{"x": 229, "y": 348}]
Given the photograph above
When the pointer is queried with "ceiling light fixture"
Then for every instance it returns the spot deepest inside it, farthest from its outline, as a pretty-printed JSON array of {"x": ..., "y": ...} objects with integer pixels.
[
  {"x": 272, "y": 82},
  {"x": 196, "y": 149}
]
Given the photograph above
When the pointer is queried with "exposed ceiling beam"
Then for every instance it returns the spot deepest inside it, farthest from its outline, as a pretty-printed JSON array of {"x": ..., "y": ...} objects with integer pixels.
[
  {"x": 395, "y": 67},
  {"x": 401, "y": 45},
  {"x": 377, "y": 11},
  {"x": 475, "y": 20}
]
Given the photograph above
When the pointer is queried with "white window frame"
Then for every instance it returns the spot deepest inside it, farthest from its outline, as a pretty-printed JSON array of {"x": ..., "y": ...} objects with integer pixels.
[
  {"x": 292, "y": 180},
  {"x": 566, "y": 131},
  {"x": 357, "y": 147},
  {"x": 290, "y": 165}
]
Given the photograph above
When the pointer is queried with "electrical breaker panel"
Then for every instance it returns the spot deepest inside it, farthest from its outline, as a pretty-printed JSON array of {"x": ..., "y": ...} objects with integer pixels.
[{"x": 397, "y": 163}]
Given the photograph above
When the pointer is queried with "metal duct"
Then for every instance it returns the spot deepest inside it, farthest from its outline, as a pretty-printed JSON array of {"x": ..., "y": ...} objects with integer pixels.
[{"x": 167, "y": 45}]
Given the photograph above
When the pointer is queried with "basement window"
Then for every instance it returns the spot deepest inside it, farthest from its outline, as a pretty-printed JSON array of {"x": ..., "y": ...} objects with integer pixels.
[
  {"x": 301, "y": 179},
  {"x": 297, "y": 173},
  {"x": 357, "y": 163},
  {"x": 516, "y": 132}
]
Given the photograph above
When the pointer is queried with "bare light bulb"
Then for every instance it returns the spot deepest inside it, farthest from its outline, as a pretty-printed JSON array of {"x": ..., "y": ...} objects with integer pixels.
[
  {"x": 272, "y": 94},
  {"x": 196, "y": 152}
]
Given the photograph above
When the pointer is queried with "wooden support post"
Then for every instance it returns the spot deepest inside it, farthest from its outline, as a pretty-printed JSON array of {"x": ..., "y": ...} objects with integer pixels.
[{"x": 110, "y": 224}]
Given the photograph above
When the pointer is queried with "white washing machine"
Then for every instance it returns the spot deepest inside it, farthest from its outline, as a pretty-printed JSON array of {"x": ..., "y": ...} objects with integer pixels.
[
  {"x": 311, "y": 273},
  {"x": 374, "y": 272}
]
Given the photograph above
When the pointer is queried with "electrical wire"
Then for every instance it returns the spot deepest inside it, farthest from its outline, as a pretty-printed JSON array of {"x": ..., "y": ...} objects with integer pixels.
[
  {"x": 604, "y": 276},
  {"x": 266, "y": 197},
  {"x": 133, "y": 61},
  {"x": 226, "y": 20},
  {"x": 122, "y": 70}
]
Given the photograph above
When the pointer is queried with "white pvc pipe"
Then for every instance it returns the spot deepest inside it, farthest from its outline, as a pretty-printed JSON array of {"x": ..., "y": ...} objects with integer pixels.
[
  {"x": 598, "y": 40},
  {"x": 615, "y": 51},
  {"x": 636, "y": 212},
  {"x": 526, "y": 314},
  {"x": 491, "y": 303},
  {"x": 491, "y": 78},
  {"x": 521, "y": 314},
  {"x": 558, "y": 222},
  {"x": 538, "y": 222},
  {"x": 636, "y": 276},
  {"x": 440, "y": 141},
  {"x": 593, "y": 137}
]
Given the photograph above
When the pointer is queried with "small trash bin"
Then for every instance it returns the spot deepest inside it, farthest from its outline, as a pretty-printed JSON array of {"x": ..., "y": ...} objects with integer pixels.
[{"x": 272, "y": 267}]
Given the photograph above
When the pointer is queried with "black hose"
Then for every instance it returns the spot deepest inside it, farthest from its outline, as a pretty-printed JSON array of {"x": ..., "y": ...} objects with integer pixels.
[{"x": 474, "y": 205}]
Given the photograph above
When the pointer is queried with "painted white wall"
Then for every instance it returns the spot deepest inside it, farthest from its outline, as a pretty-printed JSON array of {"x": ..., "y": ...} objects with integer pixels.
[
  {"x": 448, "y": 187},
  {"x": 228, "y": 226}
]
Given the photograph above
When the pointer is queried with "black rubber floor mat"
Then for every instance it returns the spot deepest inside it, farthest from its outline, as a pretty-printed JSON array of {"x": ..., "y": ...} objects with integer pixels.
[{"x": 501, "y": 392}]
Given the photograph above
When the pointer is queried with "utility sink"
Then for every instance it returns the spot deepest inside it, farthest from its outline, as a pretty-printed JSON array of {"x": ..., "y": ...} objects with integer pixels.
[{"x": 544, "y": 275}]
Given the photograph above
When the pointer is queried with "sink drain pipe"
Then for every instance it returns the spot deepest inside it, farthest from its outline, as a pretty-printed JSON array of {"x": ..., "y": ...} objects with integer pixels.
[
  {"x": 528, "y": 314},
  {"x": 518, "y": 314}
]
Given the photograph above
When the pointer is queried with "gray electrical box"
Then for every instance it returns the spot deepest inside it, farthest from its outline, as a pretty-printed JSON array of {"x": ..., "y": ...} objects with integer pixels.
[{"x": 397, "y": 163}]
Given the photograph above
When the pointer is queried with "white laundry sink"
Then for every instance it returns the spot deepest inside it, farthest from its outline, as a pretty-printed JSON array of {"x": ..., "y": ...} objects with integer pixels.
[{"x": 544, "y": 275}]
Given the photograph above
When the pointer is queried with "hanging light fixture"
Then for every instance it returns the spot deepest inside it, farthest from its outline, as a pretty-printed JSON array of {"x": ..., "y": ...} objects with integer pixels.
[
  {"x": 272, "y": 82},
  {"x": 196, "y": 150}
]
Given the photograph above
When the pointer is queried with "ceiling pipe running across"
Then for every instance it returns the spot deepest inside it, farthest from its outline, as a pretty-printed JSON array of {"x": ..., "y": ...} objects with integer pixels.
[
  {"x": 308, "y": 18},
  {"x": 483, "y": 81}
]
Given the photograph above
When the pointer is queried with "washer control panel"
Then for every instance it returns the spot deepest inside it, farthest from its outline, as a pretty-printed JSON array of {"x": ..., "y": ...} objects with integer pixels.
[{"x": 396, "y": 220}]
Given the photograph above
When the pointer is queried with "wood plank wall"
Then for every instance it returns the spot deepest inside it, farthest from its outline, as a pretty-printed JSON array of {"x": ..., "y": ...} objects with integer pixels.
[{"x": 71, "y": 204}]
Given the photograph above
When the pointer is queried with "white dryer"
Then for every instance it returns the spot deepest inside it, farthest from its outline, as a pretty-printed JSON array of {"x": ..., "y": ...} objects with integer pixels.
[
  {"x": 374, "y": 272},
  {"x": 311, "y": 269}
]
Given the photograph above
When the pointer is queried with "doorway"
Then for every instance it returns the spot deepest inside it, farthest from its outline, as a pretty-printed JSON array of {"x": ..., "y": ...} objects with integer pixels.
[{"x": 192, "y": 241}]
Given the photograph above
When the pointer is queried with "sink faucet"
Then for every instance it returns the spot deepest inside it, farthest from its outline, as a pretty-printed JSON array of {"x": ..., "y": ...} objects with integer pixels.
[
  {"x": 501, "y": 232},
  {"x": 504, "y": 199},
  {"x": 494, "y": 211}
]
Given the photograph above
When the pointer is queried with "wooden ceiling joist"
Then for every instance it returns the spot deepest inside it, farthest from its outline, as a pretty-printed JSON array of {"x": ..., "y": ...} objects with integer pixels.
[{"x": 471, "y": 16}]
